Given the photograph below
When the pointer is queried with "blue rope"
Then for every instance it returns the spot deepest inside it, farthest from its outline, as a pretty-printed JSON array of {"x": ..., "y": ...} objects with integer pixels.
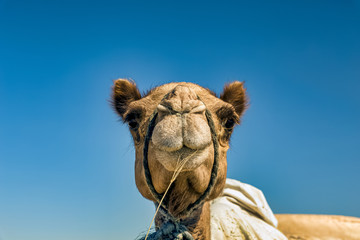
[{"x": 170, "y": 231}]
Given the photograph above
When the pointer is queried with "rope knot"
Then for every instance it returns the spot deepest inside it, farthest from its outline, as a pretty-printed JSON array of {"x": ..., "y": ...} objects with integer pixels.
[{"x": 171, "y": 230}]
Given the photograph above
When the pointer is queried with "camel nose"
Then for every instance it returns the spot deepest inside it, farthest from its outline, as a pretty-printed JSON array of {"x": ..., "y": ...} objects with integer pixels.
[
  {"x": 181, "y": 100},
  {"x": 181, "y": 122}
]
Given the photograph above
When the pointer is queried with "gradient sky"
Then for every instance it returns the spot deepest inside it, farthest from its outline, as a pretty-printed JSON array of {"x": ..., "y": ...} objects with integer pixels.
[{"x": 66, "y": 162}]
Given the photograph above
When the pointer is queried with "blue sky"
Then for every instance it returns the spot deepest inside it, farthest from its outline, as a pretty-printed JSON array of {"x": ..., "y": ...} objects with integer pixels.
[{"x": 66, "y": 162}]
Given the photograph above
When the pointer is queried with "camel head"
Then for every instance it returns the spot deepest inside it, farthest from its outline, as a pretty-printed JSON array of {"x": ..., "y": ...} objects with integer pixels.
[{"x": 181, "y": 136}]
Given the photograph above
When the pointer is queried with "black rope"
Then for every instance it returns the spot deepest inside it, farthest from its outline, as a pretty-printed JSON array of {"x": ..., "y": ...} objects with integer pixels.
[
  {"x": 148, "y": 178},
  {"x": 170, "y": 231}
]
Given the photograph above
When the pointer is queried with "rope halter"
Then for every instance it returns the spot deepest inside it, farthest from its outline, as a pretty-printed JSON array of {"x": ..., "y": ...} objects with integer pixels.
[{"x": 172, "y": 228}]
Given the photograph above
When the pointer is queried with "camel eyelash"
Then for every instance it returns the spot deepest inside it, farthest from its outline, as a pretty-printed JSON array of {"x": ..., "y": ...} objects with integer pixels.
[
  {"x": 228, "y": 117},
  {"x": 133, "y": 115},
  {"x": 133, "y": 119}
]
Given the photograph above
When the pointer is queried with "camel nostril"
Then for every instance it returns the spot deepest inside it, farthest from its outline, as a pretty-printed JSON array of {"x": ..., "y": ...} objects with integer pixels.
[
  {"x": 167, "y": 134},
  {"x": 198, "y": 109},
  {"x": 162, "y": 108},
  {"x": 192, "y": 106}
]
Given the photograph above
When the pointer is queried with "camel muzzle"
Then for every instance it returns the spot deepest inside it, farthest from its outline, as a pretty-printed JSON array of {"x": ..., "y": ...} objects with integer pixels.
[{"x": 176, "y": 220}]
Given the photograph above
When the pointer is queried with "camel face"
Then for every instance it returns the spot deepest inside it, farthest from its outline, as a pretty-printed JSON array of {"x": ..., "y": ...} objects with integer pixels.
[
  {"x": 182, "y": 131},
  {"x": 181, "y": 135}
]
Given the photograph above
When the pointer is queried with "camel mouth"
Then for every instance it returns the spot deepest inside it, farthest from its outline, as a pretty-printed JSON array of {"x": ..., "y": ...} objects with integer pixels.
[
  {"x": 189, "y": 158},
  {"x": 186, "y": 152}
]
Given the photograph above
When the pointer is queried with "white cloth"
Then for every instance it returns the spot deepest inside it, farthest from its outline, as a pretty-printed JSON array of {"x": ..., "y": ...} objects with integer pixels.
[{"x": 242, "y": 212}]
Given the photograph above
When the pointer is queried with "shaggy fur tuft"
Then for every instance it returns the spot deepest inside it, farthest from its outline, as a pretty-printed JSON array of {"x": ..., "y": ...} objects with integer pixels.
[
  {"x": 124, "y": 92},
  {"x": 235, "y": 94}
]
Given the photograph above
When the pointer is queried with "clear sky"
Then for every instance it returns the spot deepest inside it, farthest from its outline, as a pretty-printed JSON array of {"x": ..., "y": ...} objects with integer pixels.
[{"x": 66, "y": 162}]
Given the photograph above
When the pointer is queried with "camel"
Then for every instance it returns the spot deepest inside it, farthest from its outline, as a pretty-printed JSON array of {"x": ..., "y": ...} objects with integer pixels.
[{"x": 181, "y": 133}]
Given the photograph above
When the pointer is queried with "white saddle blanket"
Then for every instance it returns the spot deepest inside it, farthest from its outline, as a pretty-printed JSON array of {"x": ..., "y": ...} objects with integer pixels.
[{"x": 242, "y": 212}]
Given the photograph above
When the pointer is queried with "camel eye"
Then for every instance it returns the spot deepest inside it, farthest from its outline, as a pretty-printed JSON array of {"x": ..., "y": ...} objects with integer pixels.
[
  {"x": 229, "y": 123},
  {"x": 133, "y": 124},
  {"x": 133, "y": 119},
  {"x": 227, "y": 117}
]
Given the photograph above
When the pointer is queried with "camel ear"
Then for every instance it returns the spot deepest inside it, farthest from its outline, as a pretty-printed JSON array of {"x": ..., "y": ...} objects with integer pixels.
[
  {"x": 235, "y": 94},
  {"x": 124, "y": 92}
]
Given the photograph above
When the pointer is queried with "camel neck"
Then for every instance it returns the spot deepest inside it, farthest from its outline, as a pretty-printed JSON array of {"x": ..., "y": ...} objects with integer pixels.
[{"x": 198, "y": 222}]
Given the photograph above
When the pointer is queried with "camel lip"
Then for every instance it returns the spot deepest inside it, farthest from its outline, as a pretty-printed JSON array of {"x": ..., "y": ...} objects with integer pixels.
[
  {"x": 171, "y": 160},
  {"x": 183, "y": 152},
  {"x": 186, "y": 149},
  {"x": 183, "y": 149}
]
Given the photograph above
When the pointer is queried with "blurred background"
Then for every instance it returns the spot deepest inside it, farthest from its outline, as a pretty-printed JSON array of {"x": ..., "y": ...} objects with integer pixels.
[{"x": 66, "y": 161}]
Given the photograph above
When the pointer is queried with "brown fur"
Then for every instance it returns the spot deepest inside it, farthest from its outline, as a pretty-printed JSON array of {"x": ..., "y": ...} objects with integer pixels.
[
  {"x": 193, "y": 181},
  {"x": 124, "y": 92},
  {"x": 234, "y": 93}
]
